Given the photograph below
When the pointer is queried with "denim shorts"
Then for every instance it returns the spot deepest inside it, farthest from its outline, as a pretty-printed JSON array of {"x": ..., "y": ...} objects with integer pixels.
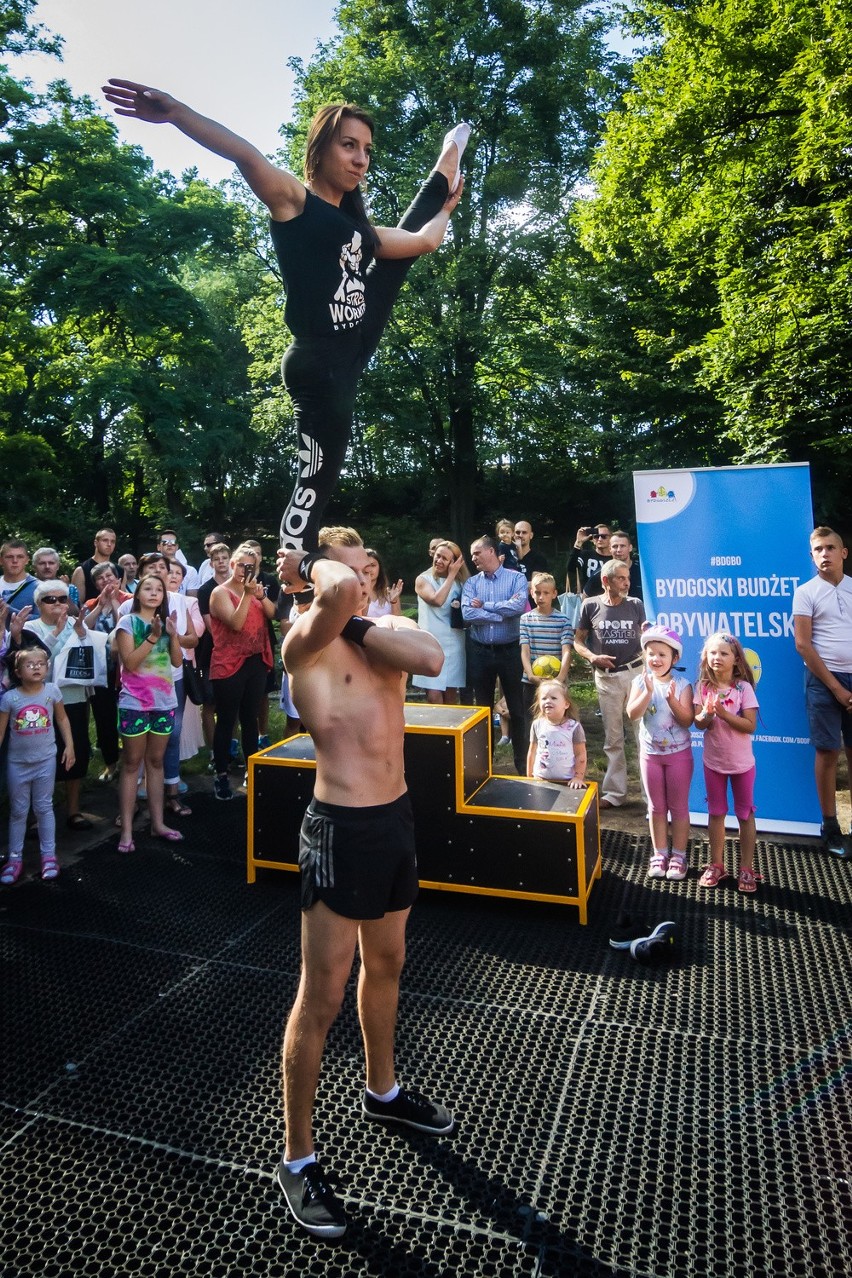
[{"x": 830, "y": 725}]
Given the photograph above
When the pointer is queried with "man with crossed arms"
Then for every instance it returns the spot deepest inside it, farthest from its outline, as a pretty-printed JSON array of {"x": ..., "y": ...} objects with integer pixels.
[{"x": 356, "y": 853}]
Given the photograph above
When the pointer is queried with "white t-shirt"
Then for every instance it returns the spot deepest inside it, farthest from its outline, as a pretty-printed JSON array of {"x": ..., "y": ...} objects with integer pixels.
[
  {"x": 830, "y": 610},
  {"x": 555, "y": 743}
]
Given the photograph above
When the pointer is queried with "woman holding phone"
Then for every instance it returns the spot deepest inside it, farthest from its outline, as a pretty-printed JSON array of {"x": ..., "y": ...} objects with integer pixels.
[{"x": 241, "y": 659}]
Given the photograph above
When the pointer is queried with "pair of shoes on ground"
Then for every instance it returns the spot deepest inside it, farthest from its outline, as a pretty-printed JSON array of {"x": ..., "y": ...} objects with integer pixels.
[
  {"x": 663, "y": 866},
  {"x": 835, "y": 842},
  {"x": 714, "y": 874},
  {"x": 646, "y": 944},
  {"x": 308, "y": 1194},
  {"x": 12, "y": 869}
]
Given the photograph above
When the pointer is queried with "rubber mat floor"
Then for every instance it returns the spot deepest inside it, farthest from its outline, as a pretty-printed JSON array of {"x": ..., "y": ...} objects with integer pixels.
[{"x": 612, "y": 1119}]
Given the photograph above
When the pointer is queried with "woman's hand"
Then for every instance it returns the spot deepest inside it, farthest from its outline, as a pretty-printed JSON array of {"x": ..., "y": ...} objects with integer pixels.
[
  {"x": 455, "y": 566},
  {"x": 156, "y": 628},
  {"x": 395, "y": 591},
  {"x": 79, "y": 623},
  {"x": 453, "y": 198},
  {"x": 140, "y": 101},
  {"x": 171, "y": 626},
  {"x": 16, "y": 624}
]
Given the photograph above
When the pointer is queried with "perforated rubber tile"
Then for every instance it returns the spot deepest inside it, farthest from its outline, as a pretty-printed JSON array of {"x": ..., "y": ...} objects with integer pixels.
[
  {"x": 63, "y": 996},
  {"x": 122, "y": 897},
  {"x": 613, "y": 1120},
  {"x": 723, "y": 1151}
]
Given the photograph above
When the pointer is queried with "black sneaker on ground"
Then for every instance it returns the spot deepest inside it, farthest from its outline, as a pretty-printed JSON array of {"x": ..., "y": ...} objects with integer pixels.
[
  {"x": 834, "y": 843},
  {"x": 410, "y": 1109},
  {"x": 625, "y": 932},
  {"x": 656, "y": 945},
  {"x": 312, "y": 1201},
  {"x": 222, "y": 788}
]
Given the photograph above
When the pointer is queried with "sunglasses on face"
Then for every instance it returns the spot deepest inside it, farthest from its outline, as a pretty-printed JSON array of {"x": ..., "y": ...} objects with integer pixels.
[
  {"x": 49, "y": 599},
  {"x": 167, "y": 541}
]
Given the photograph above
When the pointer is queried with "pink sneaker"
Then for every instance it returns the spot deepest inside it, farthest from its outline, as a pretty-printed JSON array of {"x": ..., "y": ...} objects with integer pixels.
[
  {"x": 658, "y": 865},
  {"x": 677, "y": 867}
]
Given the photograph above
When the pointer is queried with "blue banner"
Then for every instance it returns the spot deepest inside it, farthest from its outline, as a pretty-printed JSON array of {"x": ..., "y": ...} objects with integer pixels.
[{"x": 724, "y": 549}]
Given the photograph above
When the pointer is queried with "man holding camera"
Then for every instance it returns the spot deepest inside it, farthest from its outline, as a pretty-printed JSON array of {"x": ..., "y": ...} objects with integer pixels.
[{"x": 586, "y": 560}]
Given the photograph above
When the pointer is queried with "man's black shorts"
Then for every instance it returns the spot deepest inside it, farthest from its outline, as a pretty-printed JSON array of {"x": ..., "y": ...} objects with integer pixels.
[{"x": 360, "y": 862}]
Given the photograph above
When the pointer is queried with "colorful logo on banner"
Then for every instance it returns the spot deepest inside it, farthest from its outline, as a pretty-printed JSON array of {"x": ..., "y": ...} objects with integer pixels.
[{"x": 724, "y": 550}]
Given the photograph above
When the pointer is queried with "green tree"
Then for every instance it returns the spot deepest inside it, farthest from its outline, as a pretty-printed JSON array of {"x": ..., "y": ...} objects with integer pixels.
[
  {"x": 123, "y": 353},
  {"x": 725, "y": 177},
  {"x": 466, "y": 365}
]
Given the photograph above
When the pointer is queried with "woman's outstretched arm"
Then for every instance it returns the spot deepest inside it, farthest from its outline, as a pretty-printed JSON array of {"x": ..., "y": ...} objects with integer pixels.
[
  {"x": 399, "y": 244},
  {"x": 282, "y": 193}
]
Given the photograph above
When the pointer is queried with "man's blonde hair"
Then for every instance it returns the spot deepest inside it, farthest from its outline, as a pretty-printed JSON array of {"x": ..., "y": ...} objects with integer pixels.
[
  {"x": 543, "y": 579},
  {"x": 822, "y": 532},
  {"x": 338, "y": 535}
]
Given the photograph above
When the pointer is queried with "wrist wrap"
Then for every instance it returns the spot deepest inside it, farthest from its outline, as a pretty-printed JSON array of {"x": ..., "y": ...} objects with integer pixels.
[
  {"x": 356, "y": 629},
  {"x": 308, "y": 562}
]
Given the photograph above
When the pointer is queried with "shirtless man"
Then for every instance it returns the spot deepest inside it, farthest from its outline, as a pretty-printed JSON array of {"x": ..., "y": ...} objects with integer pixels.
[{"x": 359, "y": 873}]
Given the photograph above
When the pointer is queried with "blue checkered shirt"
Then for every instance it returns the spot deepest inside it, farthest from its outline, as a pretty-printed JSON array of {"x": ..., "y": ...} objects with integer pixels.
[{"x": 504, "y": 595}]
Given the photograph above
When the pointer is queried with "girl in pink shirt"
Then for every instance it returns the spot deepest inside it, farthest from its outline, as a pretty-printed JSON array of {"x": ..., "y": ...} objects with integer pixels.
[{"x": 726, "y": 710}]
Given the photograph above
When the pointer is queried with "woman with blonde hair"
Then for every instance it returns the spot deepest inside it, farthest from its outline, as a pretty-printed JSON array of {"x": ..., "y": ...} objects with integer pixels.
[{"x": 439, "y": 612}]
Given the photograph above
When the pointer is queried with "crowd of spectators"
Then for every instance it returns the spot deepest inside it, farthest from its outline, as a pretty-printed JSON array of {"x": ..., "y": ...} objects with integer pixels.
[{"x": 505, "y": 628}]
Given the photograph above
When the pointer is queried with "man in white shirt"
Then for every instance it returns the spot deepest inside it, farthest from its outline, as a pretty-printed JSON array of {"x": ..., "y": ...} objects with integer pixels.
[
  {"x": 822, "y": 618},
  {"x": 168, "y": 545},
  {"x": 205, "y": 570}
]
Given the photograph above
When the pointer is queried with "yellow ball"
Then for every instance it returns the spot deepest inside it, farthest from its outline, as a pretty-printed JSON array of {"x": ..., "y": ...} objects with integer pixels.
[{"x": 546, "y": 667}]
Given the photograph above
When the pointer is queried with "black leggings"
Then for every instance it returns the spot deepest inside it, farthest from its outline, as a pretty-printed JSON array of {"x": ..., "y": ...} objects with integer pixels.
[
  {"x": 321, "y": 379},
  {"x": 240, "y": 694}
]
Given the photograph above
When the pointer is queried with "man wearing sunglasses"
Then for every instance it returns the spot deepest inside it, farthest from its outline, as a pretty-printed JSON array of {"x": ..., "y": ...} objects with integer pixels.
[
  {"x": 591, "y": 550},
  {"x": 169, "y": 546},
  {"x": 206, "y": 570}
]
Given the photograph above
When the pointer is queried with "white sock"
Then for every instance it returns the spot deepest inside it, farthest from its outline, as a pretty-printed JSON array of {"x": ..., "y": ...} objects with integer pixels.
[
  {"x": 459, "y": 135},
  {"x": 677, "y": 852},
  {"x": 295, "y": 1165},
  {"x": 388, "y": 1096}
]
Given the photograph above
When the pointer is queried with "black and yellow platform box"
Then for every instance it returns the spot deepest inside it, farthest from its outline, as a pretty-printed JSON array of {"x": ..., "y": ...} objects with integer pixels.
[{"x": 476, "y": 831}]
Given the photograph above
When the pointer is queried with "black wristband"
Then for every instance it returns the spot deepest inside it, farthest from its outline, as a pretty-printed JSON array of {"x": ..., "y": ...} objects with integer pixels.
[
  {"x": 356, "y": 630},
  {"x": 308, "y": 562}
]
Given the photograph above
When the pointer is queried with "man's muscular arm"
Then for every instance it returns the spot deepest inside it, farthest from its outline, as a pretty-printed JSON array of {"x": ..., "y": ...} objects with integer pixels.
[
  {"x": 399, "y": 642},
  {"x": 337, "y": 596}
]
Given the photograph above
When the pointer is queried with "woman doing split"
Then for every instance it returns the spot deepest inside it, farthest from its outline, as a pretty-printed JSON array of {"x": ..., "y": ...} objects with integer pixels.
[{"x": 341, "y": 274}]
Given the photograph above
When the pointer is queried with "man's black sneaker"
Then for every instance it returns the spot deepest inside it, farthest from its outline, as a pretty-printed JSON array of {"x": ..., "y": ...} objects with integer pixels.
[
  {"x": 657, "y": 945},
  {"x": 312, "y": 1201},
  {"x": 410, "y": 1109},
  {"x": 626, "y": 932},
  {"x": 834, "y": 843}
]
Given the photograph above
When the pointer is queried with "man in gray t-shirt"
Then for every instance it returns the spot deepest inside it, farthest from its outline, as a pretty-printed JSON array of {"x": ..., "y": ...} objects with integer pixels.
[{"x": 608, "y": 636}]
